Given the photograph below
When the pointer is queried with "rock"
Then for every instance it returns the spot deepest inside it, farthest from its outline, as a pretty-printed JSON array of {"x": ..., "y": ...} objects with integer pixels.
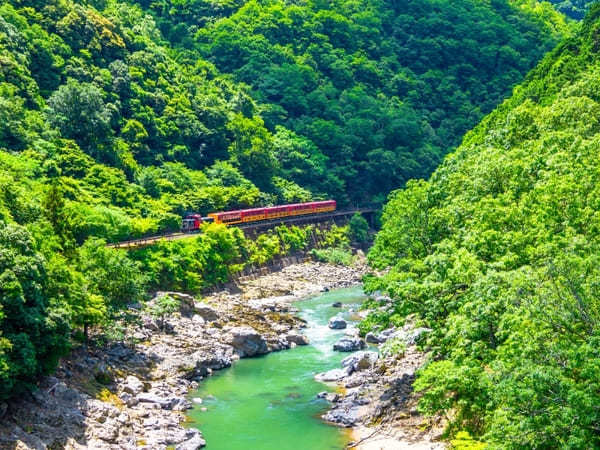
[
  {"x": 132, "y": 385},
  {"x": 247, "y": 341},
  {"x": 197, "y": 400},
  {"x": 352, "y": 331},
  {"x": 65, "y": 394},
  {"x": 147, "y": 397},
  {"x": 383, "y": 299},
  {"x": 329, "y": 396},
  {"x": 371, "y": 338},
  {"x": 346, "y": 416},
  {"x": 208, "y": 313},
  {"x": 180, "y": 404},
  {"x": 337, "y": 305},
  {"x": 140, "y": 336},
  {"x": 128, "y": 399},
  {"x": 337, "y": 323},
  {"x": 347, "y": 344},
  {"x": 108, "y": 432},
  {"x": 150, "y": 324},
  {"x": 198, "y": 319},
  {"x": 296, "y": 338},
  {"x": 360, "y": 361},
  {"x": 3, "y": 408},
  {"x": 332, "y": 375},
  {"x": 193, "y": 442},
  {"x": 386, "y": 334}
]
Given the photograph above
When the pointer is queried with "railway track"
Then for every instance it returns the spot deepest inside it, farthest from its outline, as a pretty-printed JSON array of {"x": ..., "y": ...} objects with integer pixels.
[{"x": 252, "y": 227}]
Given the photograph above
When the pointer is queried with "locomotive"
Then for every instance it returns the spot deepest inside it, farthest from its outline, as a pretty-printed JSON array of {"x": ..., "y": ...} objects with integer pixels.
[{"x": 192, "y": 222}]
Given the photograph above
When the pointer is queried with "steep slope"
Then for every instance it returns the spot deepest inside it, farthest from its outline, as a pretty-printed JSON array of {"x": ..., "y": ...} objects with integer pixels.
[
  {"x": 498, "y": 253},
  {"x": 122, "y": 122},
  {"x": 382, "y": 89},
  {"x": 108, "y": 131},
  {"x": 103, "y": 130}
]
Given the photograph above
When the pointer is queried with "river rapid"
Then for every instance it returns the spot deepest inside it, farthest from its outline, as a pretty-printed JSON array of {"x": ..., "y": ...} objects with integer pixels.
[{"x": 270, "y": 402}]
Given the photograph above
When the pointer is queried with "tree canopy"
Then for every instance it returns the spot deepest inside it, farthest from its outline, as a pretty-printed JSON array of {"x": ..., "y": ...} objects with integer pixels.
[
  {"x": 117, "y": 117},
  {"x": 498, "y": 254}
]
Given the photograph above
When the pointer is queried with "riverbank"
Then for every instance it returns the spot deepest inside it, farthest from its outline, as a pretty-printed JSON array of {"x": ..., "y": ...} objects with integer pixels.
[
  {"x": 376, "y": 399},
  {"x": 133, "y": 394}
]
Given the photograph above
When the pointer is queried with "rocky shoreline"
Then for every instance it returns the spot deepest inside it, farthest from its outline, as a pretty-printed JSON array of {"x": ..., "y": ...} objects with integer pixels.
[
  {"x": 376, "y": 399},
  {"x": 133, "y": 394}
]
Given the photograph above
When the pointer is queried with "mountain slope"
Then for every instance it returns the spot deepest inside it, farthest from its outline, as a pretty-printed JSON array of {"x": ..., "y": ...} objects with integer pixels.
[
  {"x": 383, "y": 89},
  {"x": 103, "y": 130},
  {"x": 498, "y": 253},
  {"x": 107, "y": 131}
]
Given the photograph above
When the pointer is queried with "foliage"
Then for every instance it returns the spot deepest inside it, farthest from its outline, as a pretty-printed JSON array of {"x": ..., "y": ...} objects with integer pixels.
[
  {"x": 33, "y": 327},
  {"x": 374, "y": 91},
  {"x": 333, "y": 255},
  {"x": 116, "y": 119},
  {"x": 464, "y": 441},
  {"x": 394, "y": 346},
  {"x": 358, "y": 228},
  {"x": 163, "y": 306},
  {"x": 498, "y": 253},
  {"x": 575, "y": 9}
]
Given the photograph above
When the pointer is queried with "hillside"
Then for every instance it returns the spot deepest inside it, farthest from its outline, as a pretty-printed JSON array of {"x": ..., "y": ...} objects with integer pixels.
[
  {"x": 498, "y": 253},
  {"x": 379, "y": 90},
  {"x": 113, "y": 126}
]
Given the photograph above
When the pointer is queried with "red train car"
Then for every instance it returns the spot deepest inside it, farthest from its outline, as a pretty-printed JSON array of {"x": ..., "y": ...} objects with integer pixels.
[{"x": 193, "y": 221}]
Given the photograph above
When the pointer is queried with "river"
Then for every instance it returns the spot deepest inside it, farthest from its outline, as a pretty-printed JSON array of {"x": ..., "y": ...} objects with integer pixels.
[{"x": 269, "y": 402}]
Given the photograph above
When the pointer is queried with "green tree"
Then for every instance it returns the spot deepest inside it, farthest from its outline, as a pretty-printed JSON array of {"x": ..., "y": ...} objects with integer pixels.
[
  {"x": 163, "y": 306},
  {"x": 79, "y": 112},
  {"x": 33, "y": 332},
  {"x": 359, "y": 228}
]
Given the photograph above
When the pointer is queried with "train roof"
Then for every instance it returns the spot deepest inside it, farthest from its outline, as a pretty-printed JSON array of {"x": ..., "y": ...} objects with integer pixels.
[{"x": 319, "y": 202}]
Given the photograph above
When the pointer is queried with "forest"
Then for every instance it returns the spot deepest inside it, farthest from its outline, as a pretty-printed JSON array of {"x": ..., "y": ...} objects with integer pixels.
[
  {"x": 381, "y": 91},
  {"x": 498, "y": 254},
  {"x": 118, "y": 117}
]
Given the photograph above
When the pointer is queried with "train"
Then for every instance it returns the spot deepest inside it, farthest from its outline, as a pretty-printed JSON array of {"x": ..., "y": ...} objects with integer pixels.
[{"x": 193, "y": 222}]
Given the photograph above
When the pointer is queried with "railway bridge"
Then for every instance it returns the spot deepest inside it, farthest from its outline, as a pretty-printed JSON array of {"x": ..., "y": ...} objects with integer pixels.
[{"x": 254, "y": 228}]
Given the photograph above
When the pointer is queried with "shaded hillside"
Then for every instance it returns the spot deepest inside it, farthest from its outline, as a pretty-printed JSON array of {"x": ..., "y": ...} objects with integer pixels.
[
  {"x": 498, "y": 253},
  {"x": 575, "y": 9}
]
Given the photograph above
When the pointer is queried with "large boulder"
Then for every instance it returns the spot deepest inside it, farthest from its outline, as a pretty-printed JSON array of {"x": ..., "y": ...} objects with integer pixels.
[
  {"x": 194, "y": 441},
  {"x": 337, "y": 323},
  {"x": 296, "y": 338},
  {"x": 332, "y": 375},
  {"x": 132, "y": 385},
  {"x": 414, "y": 335},
  {"x": 247, "y": 341},
  {"x": 208, "y": 313},
  {"x": 371, "y": 338},
  {"x": 349, "y": 344},
  {"x": 360, "y": 361}
]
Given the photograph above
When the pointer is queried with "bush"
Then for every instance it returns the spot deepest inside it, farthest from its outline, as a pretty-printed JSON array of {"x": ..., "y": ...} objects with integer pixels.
[
  {"x": 336, "y": 255},
  {"x": 358, "y": 228}
]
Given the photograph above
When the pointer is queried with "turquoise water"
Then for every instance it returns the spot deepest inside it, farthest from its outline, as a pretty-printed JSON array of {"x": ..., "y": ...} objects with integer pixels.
[{"x": 269, "y": 402}]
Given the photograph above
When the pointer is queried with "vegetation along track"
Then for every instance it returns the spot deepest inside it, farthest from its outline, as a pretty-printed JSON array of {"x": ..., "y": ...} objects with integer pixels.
[{"x": 251, "y": 227}]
